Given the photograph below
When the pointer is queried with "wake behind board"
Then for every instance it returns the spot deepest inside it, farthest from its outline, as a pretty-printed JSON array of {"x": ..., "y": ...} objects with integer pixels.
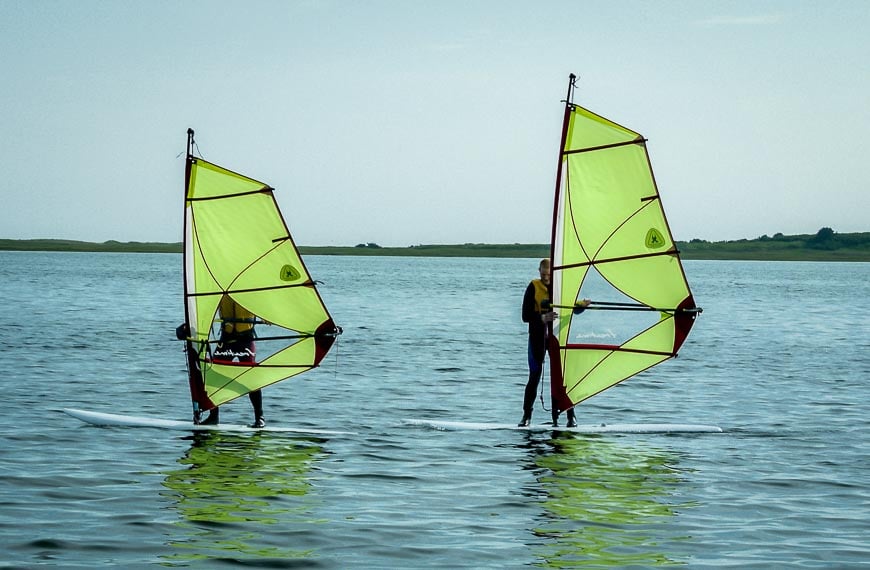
[
  {"x": 104, "y": 419},
  {"x": 583, "y": 429}
]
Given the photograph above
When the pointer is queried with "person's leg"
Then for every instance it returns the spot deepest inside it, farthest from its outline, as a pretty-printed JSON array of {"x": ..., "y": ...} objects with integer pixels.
[
  {"x": 529, "y": 397},
  {"x": 213, "y": 418},
  {"x": 536, "y": 366},
  {"x": 256, "y": 398}
]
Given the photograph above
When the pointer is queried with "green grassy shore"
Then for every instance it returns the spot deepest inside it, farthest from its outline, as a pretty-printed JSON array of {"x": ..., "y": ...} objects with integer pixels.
[{"x": 825, "y": 245}]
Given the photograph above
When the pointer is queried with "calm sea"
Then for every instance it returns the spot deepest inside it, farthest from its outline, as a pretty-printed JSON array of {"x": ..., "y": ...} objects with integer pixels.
[{"x": 779, "y": 360}]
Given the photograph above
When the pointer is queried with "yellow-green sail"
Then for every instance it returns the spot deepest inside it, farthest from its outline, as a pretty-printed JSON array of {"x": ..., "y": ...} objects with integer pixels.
[
  {"x": 236, "y": 244},
  {"x": 610, "y": 243}
]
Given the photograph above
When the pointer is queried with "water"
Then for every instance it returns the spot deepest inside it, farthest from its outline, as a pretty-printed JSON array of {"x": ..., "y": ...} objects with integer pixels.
[{"x": 779, "y": 360}]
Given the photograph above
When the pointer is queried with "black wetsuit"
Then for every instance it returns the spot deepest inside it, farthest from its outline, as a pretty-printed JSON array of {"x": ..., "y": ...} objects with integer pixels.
[
  {"x": 536, "y": 301},
  {"x": 535, "y": 298}
]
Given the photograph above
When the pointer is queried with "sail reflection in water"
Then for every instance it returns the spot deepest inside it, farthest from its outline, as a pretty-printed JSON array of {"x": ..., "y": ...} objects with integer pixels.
[
  {"x": 228, "y": 487},
  {"x": 603, "y": 501}
]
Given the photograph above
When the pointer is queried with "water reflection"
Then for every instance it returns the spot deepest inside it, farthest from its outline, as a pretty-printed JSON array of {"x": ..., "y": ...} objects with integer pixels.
[
  {"x": 230, "y": 487},
  {"x": 604, "y": 501}
]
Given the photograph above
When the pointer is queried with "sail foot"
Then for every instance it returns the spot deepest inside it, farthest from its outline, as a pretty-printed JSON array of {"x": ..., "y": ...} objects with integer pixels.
[
  {"x": 558, "y": 393},
  {"x": 201, "y": 401}
]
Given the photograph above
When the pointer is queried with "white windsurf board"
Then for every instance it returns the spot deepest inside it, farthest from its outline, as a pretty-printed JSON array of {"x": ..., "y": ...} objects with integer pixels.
[
  {"x": 583, "y": 429},
  {"x": 104, "y": 419}
]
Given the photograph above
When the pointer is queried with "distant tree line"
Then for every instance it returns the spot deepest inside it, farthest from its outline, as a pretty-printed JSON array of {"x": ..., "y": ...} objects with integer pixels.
[
  {"x": 824, "y": 245},
  {"x": 825, "y": 239}
]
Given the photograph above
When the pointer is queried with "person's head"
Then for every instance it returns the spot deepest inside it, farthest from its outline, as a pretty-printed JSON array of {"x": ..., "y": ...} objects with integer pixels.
[{"x": 544, "y": 269}]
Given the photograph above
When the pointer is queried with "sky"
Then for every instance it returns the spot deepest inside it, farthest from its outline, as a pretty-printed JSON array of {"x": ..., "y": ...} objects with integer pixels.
[{"x": 429, "y": 122}]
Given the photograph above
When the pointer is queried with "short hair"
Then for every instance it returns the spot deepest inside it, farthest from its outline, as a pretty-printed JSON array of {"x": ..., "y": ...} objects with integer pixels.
[{"x": 543, "y": 261}]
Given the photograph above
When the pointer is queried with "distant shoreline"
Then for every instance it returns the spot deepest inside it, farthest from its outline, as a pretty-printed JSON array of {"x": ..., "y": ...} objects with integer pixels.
[{"x": 823, "y": 246}]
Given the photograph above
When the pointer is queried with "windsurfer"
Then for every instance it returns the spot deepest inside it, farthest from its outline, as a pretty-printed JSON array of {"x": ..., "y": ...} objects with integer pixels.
[
  {"x": 537, "y": 312},
  {"x": 237, "y": 343}
]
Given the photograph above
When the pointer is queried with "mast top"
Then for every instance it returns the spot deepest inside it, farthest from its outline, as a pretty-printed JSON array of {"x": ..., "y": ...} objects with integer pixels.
[{"x": 190, "y": 142}]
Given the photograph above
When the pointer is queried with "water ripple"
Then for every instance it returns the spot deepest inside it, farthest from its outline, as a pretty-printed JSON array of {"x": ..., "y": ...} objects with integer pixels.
[{"x": 785, "y": 485}]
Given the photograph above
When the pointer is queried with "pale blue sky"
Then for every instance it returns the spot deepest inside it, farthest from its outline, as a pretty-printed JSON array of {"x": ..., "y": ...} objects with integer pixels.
[{"x": 429, "y": 121}]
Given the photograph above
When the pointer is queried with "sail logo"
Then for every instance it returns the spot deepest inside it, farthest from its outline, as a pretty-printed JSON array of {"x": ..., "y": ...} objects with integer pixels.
[
  {"x": 289, "y": 273},
  {"x": 654, "y": 239},
  {"x": 228, "y": 354}
]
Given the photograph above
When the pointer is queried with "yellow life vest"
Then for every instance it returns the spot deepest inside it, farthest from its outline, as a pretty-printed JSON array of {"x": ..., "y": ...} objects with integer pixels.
[
  {"x": 541, "y": 295},
  {"x": 233, "y": 315}
]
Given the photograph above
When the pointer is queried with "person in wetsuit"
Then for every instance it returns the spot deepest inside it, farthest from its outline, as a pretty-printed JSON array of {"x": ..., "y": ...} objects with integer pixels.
[
  {"x": 537, "y": 312},
  {"x": 237, "y": 343}
]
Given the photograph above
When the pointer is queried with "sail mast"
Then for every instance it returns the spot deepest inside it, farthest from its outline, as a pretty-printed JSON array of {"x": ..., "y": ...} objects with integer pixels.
[
  {"x": 194, "y": 377},
  {"x": 185, "y": 245},
  {"x": 558, "y": 394},
  {"x": 198, "y": 397},
  {"x": 557, "y": 193}
]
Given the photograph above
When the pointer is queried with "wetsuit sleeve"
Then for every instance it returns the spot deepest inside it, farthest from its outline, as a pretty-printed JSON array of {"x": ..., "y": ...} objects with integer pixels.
[{"x": 529, "y": 313}]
